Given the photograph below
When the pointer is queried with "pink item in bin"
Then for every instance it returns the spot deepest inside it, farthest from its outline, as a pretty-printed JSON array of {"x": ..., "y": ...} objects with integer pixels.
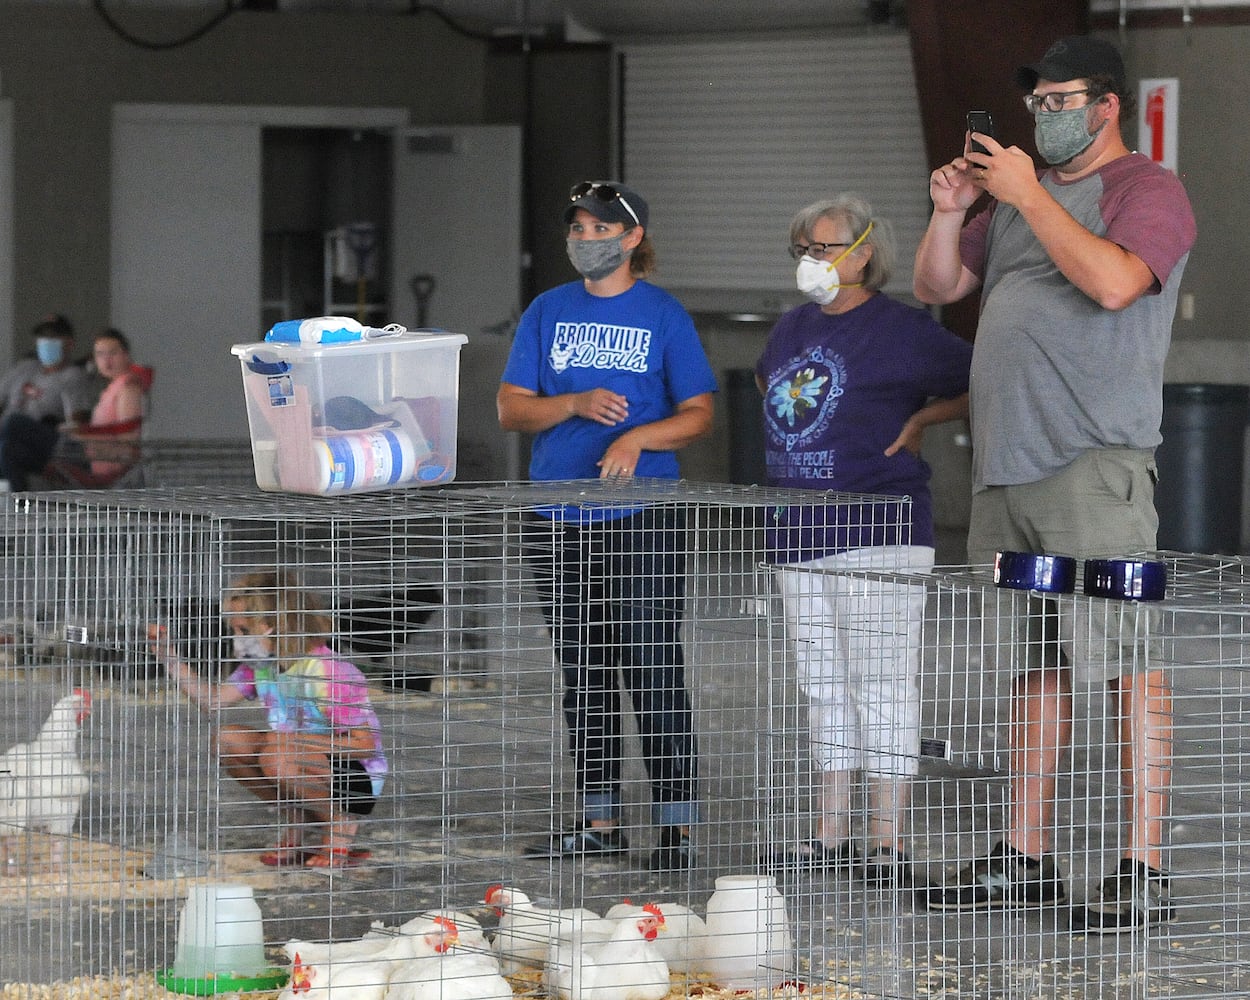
[{"x": 330, "y": 419}]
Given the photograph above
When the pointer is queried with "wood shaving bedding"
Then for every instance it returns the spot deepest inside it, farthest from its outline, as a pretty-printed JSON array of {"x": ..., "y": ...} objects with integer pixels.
[
  {"x": 524, "y": 984},
  {"x": 98, "y": 871}
]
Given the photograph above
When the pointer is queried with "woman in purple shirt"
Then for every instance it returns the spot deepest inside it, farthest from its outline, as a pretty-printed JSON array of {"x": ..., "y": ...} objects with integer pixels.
[{"x": 850, "y": 382}]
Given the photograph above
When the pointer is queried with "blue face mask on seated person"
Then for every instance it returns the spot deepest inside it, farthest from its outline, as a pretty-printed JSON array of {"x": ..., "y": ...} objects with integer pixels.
[{"x": 50, "y": 351}]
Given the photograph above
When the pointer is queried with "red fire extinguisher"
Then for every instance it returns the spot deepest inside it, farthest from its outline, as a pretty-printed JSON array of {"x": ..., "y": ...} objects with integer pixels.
[{"x": 1156, "y": 102}]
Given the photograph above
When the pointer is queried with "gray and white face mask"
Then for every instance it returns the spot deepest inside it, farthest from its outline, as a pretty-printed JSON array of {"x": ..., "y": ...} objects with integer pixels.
[
  {"x": 595, "y": 259},
  {"x": 1063, "y": 135},
  {"x": 251, "y": 648}
]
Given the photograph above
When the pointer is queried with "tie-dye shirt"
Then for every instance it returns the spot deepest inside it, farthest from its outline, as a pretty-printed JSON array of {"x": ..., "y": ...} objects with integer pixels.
[{"x": 318, "y": 694}]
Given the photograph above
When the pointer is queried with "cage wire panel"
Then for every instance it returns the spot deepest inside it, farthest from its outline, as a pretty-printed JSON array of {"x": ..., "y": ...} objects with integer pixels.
[
  {"x": 974, "y": 638},
  {"x": 432, "y": 596}
]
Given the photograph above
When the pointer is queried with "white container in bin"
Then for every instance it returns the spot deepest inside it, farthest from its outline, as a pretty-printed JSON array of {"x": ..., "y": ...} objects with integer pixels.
[{"x": 354, "y": 417}]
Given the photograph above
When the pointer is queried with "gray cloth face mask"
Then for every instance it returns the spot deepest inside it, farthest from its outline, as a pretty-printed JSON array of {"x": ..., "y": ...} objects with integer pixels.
[
  {"x": 595, "y": 259},
  {"x": 1063, "y": 135}
]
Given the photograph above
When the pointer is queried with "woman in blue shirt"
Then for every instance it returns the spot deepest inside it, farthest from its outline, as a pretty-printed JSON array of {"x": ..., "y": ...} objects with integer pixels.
[{"x": 609, "y": 376}]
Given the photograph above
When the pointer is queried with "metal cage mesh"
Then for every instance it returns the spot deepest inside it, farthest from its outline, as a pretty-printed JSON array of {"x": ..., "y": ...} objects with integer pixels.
[{"x": 432, "y": 595}]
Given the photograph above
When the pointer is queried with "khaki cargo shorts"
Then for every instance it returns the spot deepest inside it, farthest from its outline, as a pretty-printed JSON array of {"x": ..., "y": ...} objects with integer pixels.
[{"x": 1102, "y": 505}]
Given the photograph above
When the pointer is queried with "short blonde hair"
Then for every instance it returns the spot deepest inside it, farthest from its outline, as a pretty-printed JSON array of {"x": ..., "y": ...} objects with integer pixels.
[{"x": 297, "y": 618}]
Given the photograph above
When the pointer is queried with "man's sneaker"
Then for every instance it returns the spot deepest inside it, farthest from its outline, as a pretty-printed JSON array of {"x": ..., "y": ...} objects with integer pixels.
[
  {"x": 886, "y": 868},
  {"x": 582, "y": 841},
  {"x": 674, "y": 853},
  {"x": 1134, "y": 896},
  {"x": 1006, "y": 878},
  {"x": 813, "y": 855}
]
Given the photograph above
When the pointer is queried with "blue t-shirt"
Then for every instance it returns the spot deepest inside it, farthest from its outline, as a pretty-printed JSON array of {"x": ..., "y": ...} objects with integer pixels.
[
  {"x": 641, "y": 344},
  {"x": 839, "y": 389}
]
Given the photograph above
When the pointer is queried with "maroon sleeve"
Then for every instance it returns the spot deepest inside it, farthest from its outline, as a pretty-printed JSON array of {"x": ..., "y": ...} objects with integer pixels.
[{"x": 1147, "y": 212}]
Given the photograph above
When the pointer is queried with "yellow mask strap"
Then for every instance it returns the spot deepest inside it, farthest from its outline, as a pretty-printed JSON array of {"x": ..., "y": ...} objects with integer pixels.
[{"x": 846, "y": 253}]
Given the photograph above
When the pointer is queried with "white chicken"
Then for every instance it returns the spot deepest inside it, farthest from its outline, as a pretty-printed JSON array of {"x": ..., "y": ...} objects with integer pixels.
[
  {"x": 470, "y": 935},
  {"x": 42, "y": 783},
  {"x": 527, "y": 930},
  {"x": 358, "y": 980},
  {"x": 470, "y": 931},
  {"x": 628, "y": 966},
  {"x": 451, "y": 973},
  {"x": 356, "y": 969},
  {"x": 683, "y": 942}
]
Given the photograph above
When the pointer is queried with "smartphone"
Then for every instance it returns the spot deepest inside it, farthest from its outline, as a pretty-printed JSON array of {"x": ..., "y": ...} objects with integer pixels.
[{"x": 983, "y": 122}]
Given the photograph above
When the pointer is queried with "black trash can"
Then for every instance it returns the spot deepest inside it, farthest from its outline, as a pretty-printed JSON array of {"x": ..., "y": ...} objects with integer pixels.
[
  {"x": 746, "y": 428},
  {"x": 1201, "y": 467}
]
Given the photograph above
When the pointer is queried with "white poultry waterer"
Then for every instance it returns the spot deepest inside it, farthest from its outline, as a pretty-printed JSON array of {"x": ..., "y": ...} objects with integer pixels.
[
  {"x": 221, "y": 944},
  {"x": 748, "y": 944}
]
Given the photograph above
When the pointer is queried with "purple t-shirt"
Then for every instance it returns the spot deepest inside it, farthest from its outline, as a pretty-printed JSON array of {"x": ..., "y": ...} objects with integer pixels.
[
  {"x": 318, "y": 694},
  {"x": 839, "y": 389},
  {"x": 1054, "y": 374}
]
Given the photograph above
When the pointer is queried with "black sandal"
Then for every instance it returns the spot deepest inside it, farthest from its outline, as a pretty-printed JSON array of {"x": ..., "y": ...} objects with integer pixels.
[{"x": 814, "y": 855}]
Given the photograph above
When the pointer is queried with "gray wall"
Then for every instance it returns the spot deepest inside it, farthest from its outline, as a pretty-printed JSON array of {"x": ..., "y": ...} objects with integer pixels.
[{"x": 63, "y": 70}]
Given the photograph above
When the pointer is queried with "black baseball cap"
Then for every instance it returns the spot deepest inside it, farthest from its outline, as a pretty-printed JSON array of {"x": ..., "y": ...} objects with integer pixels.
[
  {"x": 1076, "y": 57},
  {"x": 608, "y": 201}
]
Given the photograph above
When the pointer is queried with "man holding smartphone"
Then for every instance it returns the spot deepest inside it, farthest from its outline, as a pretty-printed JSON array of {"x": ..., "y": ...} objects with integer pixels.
[{"x": 1079, "y": 266}]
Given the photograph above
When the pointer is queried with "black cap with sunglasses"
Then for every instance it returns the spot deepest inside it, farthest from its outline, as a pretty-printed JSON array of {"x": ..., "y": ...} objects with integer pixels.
[{"x": 608, "y": 201}]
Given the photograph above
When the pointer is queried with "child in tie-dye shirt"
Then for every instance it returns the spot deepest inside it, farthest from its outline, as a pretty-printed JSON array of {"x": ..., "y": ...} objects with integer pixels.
[{"x": 321, "y": 759}]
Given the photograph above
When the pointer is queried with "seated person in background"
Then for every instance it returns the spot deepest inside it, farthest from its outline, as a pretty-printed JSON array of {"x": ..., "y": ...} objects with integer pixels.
[
  {"x": 320, "y": 760},
  {"x": 48, "y": 387},
  {"x": 105, "y": 442}
]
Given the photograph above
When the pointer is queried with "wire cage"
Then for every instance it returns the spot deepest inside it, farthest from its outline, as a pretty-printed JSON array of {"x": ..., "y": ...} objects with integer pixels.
[
  {"x": 432, "y": 596},
  {"x": 974, "y": 638}
]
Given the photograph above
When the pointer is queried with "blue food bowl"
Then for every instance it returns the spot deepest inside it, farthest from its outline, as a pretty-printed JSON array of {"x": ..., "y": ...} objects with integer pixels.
[
  {"x": 1126, "y": 579},
  {"x": 1034, "y": 571}
]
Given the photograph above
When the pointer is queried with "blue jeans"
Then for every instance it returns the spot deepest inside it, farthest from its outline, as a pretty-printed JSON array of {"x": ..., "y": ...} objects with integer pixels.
[{"x": 612, "y": 594}]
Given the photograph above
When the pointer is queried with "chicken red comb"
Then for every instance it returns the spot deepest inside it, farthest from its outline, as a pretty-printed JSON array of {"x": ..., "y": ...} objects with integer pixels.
[
  {"x": 492, "y": 891},
  {"x": 444, "y": 936},
  {"x": 654, "y": 910},
  {"x": 85, "y": 695}
]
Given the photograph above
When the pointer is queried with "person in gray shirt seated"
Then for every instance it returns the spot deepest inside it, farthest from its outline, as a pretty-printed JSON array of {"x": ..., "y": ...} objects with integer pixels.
[{"x": 40, "y": 396}]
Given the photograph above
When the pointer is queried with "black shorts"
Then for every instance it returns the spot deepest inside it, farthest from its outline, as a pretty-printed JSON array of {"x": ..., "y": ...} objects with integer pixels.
[{"x": 351, "y": 787}]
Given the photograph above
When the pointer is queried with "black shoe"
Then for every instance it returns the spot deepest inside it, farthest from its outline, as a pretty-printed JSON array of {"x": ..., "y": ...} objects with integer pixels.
[
  {"x": 886, "y": 868},
  {"x": 813, "y": 855},
  {"x": 675, "y": 853},
  {"x": 1005, "y": 879},
  {"x": 1136, "y": 895},
  {"x": 582, "y": 841}
]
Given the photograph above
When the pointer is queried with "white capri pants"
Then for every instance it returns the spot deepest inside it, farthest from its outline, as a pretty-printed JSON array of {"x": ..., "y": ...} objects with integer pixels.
[{"x": 857, "y": 651}]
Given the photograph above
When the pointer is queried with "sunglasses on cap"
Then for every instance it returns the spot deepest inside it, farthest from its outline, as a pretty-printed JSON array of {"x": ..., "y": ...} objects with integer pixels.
[{"x": 606, "y": 193}]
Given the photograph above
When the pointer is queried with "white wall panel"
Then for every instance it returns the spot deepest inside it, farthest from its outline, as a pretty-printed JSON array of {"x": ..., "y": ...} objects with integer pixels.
[{"x": 727, "y": 139}]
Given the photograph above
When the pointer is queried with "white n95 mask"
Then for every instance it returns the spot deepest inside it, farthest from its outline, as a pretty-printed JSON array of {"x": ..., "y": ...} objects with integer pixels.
[{"x": 819, "y": 279}]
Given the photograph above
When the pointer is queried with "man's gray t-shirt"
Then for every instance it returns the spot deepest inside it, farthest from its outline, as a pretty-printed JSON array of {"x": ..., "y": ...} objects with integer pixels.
[
  {"x": 58, "y": 395},
  {"x": 1054, "y": 374}
]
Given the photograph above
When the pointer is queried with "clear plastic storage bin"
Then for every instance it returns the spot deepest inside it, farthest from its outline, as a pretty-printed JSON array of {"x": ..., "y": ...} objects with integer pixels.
[{"x": 353, "y": 417}]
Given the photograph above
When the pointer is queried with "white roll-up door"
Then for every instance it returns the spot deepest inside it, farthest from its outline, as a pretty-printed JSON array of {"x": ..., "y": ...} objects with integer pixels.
[{"x": 727, "y": 139}]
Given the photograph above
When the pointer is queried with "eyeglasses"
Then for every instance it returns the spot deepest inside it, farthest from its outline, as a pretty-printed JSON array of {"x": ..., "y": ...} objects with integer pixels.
[
  {"x": 798, "y": 250},
  {"x": 1053, "y": 101},
  {"x": 606, "y": 193}
]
